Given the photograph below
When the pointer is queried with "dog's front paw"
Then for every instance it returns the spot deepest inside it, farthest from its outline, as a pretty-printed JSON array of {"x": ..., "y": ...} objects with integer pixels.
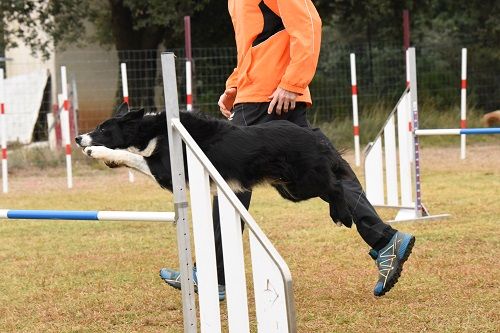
[
  {"x": 97, "y": 152},
  {"x": 87, "y": 151}
]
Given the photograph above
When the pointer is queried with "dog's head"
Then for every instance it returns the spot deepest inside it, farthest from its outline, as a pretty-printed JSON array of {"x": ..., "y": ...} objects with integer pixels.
[{"x": 115, "y": 133}]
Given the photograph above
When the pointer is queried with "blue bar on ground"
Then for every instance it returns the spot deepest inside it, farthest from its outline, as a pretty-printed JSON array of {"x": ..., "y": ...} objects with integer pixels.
[
  {"x": 491, "y": 130},
  {"x": 52, "y": 214}
]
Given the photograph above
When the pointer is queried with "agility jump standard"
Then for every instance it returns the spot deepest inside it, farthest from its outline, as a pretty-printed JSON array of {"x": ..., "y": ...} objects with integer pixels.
[
  {"x": 272, "y": 282},
  {"x": 386, "y": 155}
]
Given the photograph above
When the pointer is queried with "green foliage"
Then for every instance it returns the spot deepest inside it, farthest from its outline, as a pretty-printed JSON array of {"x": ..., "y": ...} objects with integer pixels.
[
  {"x": 126, "y": 24},
  {"x": 61, "y": 20}
]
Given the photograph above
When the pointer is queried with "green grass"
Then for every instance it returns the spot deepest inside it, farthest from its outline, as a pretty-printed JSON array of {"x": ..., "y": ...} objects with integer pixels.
[{"x": 67, "y": 276}]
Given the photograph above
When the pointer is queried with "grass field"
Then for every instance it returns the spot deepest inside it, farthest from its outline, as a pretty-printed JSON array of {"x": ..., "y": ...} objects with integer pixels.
[{"x": 63, "y": 276}]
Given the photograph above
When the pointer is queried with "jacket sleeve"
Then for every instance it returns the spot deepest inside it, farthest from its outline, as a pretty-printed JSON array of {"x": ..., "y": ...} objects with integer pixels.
[
  {"x": 232, "y": 80},
  {"x": 303, "y": 24}
]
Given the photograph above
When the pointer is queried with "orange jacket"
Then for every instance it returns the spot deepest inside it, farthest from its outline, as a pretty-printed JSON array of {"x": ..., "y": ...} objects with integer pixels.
[{"x": 278, "y": 44}]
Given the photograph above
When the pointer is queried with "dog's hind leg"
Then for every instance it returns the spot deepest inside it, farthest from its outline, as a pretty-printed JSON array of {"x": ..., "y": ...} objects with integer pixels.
[
  {"x": 339, "y": 210},
  {"x": 118, "y": 158}
]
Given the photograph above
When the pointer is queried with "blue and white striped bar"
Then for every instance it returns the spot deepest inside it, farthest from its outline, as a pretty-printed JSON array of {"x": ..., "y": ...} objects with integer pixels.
[
  {"x": 458, "y": 131},
  {"x": 87, "y": 215}
]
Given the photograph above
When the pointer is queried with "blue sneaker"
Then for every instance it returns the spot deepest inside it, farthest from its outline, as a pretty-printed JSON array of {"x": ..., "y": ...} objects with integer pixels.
[
  {"x": 390, "y": 261},
  {"x": 173, "y": 279}
]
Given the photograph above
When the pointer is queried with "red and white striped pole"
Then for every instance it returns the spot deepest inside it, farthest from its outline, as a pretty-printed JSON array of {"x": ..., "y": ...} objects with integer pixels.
[
  {"x": 187, "y": 37},
  {"x": 355, "y": 119},
  {"x": 463, "y": 103},
  {"x": 123, "y": 67},
  {"x": 65, "y": 126},
  {"x": 3, "y": 129}
]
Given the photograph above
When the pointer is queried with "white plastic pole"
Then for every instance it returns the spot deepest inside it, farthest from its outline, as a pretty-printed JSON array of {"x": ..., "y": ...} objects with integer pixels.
[
  {"x": 355, "y": 119},
  {"x": 204, "y": 245},
  {"x": 410, "y": 113},
  {"x": 74, "y": 102},
  {"x": 463, "y": 103},
  {"x": 189, "y": 57},
  {"x": 234, "y": 257},
  {"x": 3, "y": 129},
  {"x": 189, "y": 96},
  {"x": 407, "y": 56},
  {"x": 65, "y": 126},
  {"x": 123, "y": 67}
]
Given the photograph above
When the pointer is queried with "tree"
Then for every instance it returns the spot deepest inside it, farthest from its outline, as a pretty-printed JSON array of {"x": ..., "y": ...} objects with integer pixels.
[{"x": 123, "y": 24}]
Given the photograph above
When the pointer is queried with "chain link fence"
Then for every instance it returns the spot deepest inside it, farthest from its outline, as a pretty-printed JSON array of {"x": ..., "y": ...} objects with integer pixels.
[{"x": 381, "y": 77}]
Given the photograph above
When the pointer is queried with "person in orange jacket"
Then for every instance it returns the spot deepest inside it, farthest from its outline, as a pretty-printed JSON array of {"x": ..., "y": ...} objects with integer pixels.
[{"x": 278, "y": 44}]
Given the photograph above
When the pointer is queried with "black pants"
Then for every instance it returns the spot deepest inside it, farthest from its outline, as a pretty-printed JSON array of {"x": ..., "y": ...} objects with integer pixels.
[{"x": 369, "y": 225}]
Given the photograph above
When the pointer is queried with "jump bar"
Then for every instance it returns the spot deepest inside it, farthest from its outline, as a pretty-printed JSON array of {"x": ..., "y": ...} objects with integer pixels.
[
  {"x": 87, "y": 215},
  {"x": 458, "y": 131}
]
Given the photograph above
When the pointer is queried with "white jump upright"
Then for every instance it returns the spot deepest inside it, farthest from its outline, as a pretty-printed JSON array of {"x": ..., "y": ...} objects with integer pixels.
[
  {"x": 3, "y": 130},
  {"x": 275, "y": 309},
  {"x": 180, "y": 195},
  {"x": 463, "y": 103},
  {"x": 407, "y": 67},
  {"x": 396, "y": 149},
  {"x": 65, "y": 126},
  {"x": 409, "y": 127},
  {"x": 384, "y": 154},
  {"x": 355, "y": 117},
  {"x": 123, "y": 70}
]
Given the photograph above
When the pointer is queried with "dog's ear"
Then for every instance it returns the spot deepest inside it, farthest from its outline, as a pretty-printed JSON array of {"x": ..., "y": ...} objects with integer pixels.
[
  {"x": 122, "y": 110},
  {"x": 135, "y": 114}
]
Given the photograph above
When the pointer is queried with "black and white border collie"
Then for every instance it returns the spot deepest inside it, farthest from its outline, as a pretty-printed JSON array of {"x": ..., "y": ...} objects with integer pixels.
[{"x": 299, "y": 162}]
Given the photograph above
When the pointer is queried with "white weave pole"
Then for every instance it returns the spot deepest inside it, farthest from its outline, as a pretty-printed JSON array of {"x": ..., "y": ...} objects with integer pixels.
[
  {"x": 355, "y": 119},
  {"x": 463, "y": 103},
  {"x": 189, "y": 58},
  {"x": 65, "y": 127},
  {"x": 189, "y": 93},
  {"x": 3, "y": 129},
  {"x": 123, "y": 67}
]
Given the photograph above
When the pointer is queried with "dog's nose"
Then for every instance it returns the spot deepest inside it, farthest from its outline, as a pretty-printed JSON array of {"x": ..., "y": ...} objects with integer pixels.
[{"x": 78, "y": 139}]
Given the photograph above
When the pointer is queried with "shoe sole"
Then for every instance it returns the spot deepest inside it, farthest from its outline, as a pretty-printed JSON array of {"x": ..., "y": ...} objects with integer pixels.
[
  {"x": 397, "y": 274},
  {"x": 177, "y": 285}
]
